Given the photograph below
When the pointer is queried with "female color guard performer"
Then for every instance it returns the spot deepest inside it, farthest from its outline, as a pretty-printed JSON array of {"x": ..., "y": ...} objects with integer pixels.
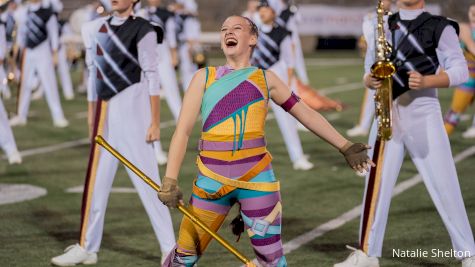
[{"x": 234, "y": 164}]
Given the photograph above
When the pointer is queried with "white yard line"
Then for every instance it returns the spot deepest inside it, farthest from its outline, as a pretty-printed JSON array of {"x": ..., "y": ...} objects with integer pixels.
[
  {"x": 80, "y": 189},
  {"x": 355, "y": 212}
]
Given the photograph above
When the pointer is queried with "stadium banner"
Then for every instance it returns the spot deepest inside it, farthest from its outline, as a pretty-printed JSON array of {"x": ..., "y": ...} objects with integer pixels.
[{"x": 329, "y": 20}]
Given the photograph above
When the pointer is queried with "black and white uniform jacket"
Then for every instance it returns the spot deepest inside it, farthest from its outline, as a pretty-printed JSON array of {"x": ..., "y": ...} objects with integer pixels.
[
  {"x": 166, "y": 20},
  {"x": 36, "y": 25},
  {"x": 120, "y": 52},
  {"x": 274, "y": 44}
]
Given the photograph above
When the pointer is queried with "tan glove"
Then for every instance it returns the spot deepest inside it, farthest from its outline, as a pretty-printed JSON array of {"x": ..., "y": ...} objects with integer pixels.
[
  {"x": 356, "y": 156},
  {"x": 170, "y": 193}
]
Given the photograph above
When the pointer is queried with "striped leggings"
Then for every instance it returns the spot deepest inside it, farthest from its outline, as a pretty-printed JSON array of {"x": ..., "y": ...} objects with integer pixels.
[{"x": 261, "y": 215}]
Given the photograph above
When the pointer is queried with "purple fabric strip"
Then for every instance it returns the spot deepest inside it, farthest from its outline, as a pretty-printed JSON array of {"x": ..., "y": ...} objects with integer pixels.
[
  {"x": 253, "y": 159},
  {"x": 290, "y": 102},
  {"x": 269, "y": 257},
  {"x": 231, "y": 103},
  {"x": 233, "y": 169},
  {"x": 258, "y": 213},
  {"x": 265, "y": 241},
  {"x": 254, "y": 203},
  {"x": 209, "y": 205},
  {"x": 228, "y": 146}
]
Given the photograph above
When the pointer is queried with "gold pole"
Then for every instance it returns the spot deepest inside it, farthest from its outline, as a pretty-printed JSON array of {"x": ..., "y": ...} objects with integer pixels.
[{"x": 102, "y": 142}]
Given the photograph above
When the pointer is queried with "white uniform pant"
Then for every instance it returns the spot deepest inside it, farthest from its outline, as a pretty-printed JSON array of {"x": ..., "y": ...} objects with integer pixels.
[
  {"x": 4, "y": 81},
  {"x": 123, "y": 121},
  {"x": 367, "y": 109},
  {"x": 187, "y": 67},
  {"x": 287, "y": 123},
  {"x": 300, "y": 67},
  {"x": 39, "y": 60},
  {"x": 64, "y": 73},
  {"x": 7, "y": 142},
  {"x": 418, "y": 128},
  {"x": 168, "y": 80}
]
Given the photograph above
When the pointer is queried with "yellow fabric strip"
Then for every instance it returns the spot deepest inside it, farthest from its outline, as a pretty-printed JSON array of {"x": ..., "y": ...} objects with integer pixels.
[
  {"x": 227, "y": 137},
  {"x": 239, "y": 183},
  {"x": 236, "y": 155},
  {"x": 211, "y": 76}
]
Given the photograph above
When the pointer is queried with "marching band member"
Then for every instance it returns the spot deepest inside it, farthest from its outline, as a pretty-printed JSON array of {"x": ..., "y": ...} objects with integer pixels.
[
  {"x": 234, "y": 164},
  {"x": 288, "y": 18},
  {"x": 126, "y": 104},
  {"x": 167, "y": 59},
  {"x": 274, "y": 52},
  {"x": 464, "y": 94},
  {"x": 4, "y": 88},
  {"x": 252, "y": 12},
  {"x": 38, "y": 38},
  {"x": 427, "y": 56},
  {"x": 167, "y": 52},
  {"x": 188, "y": 31},
  {"x": 62, "y": 62},
  {"x": 7, "y": 141},
  {"x": 367, "y": 107}
]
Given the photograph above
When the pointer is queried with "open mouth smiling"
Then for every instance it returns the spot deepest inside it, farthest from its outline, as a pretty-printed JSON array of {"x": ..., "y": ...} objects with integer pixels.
[{"x": 231, "y": 42}]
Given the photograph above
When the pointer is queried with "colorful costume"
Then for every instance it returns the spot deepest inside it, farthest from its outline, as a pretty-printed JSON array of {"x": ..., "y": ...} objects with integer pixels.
[
  {"x": 463, "y": 95},
  {"x": 234, "y": 167}
]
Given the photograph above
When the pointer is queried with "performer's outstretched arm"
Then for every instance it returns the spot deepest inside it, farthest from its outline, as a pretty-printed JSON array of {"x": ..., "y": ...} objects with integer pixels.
[{"x": 316, "y": 123}]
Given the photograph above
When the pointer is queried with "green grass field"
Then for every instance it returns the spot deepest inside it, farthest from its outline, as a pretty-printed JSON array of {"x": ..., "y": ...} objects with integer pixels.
[{"x": 32, "y": 232}]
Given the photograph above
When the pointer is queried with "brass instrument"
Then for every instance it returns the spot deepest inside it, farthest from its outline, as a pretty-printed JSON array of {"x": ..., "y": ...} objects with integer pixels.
[
  {"x": 102, "y": 142},
  {"x": 382, "y": 69}
]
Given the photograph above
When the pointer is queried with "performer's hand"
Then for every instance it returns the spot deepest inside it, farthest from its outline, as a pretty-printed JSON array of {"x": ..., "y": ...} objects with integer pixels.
[
  {"x": 153, "y": 133},
  {"x": 170, "y": 193},
  {"x": 372, "y": 82},
  {"x": 356, "y": 156},
  {"x": 416, "y": 80}
]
